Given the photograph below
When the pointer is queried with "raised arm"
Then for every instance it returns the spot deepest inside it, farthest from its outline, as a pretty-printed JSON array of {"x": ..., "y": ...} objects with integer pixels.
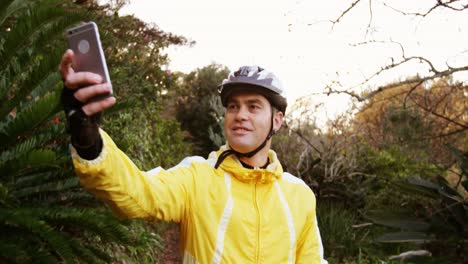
[
  {"x": 81, "y": 112},
  {"x": 106, "y": 171}
]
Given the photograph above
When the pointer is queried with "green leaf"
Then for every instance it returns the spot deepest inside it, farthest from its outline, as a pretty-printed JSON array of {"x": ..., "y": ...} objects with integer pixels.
[
  {"x": 36, "y": 27},
  {"x": 418, "y": 181},
  {"x": 104, "y": 225},
  {"x": 418, "y": 186},
  {"x": 397, "y": 220},
  {"x": 38, "y": 177},
  {"x": 29, "y": 118},
  {"x": 27, "y": 220},
  {"x": 21, "y": 150},
  {"x": 42, "y": 78},
  {"x": 404, "y": 237},
  {"x": 57, "y": 186},
  {"x": 8, "y": 7}
]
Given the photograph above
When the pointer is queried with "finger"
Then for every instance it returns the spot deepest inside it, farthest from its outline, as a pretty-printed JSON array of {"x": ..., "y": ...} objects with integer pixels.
[
  {"x": 65, "y": 65},
  {"x": 99, "y": 106},
  {"x": 85, "y": 94},
  {"x": 80, "y": 79}
]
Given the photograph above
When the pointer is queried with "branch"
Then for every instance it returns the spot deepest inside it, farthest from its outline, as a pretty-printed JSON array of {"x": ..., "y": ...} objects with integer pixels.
[
  {"x": 410, "y": 81},
  {"x": 410, "y": 92},
  {"x": 345, "y": 12},
  {"x": 370, "y": 17},
  {"x": 305, "y": 139},
  {"x": 439, "y": 115},
  {"x": 439, "y": 4}
]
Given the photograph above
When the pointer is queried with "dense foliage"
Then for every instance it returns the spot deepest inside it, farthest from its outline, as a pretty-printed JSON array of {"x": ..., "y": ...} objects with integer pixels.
[
  {"x": 390, "y": 179},
  {"x": 376, "y": 167},
  {"x": 198, "y": 108},
  {"x": 45, "y": 216}
]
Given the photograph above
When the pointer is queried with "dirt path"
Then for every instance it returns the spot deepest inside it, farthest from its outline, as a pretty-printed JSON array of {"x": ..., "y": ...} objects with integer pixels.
[{"x": 171, "y": 254}]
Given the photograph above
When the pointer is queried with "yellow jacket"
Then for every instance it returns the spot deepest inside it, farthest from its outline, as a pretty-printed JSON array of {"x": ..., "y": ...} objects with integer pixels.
[{"x": 227, "y": 215}]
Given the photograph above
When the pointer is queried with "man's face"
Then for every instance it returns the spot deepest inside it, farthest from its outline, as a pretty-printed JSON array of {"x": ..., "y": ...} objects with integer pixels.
[{"x": 247, "y": 120}]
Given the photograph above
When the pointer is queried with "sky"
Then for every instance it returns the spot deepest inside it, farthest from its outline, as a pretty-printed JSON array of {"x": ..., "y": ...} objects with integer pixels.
[{"x": 295, "y": 40}]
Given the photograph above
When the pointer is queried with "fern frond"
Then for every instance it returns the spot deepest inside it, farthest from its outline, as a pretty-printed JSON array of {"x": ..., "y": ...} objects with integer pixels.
[
  {"x": 36, "y": 178},
  {"x": 21, "y": 246},
  {"x": 105, "y": 226},
  {"x": 42, "y": 72},
  {"x": 72, "y": 198},
  {"x": 34, "y": 29},
  {"x": 11, "y": 251},
  {"x": 29, "y": 118},
  {"x": 35, "y": 159},
  {"x": 22, "y": 149},
  {"x": 51, "y": 82},
  {"x": 8, "y": 7},
  {"x": 57, "y": 186},
  {"x": 101, "y": 254},
  {"x": 25, "y": 218},
  {"x": 88, "y": 253}
]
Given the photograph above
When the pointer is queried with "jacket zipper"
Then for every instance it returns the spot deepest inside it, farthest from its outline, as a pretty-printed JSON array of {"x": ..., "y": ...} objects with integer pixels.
[{"x": 257, "y": 253}]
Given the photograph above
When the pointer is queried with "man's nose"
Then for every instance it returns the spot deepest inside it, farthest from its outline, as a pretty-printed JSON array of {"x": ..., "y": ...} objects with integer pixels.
[{"x": 242, "y": 113}]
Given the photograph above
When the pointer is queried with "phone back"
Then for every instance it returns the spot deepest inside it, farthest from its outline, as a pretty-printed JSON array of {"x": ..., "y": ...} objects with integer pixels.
[{"x": 89, "y": 56}]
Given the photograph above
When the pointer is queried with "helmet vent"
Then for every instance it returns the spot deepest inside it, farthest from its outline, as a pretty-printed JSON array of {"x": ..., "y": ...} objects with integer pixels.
[{"x": 247, "y": 71}]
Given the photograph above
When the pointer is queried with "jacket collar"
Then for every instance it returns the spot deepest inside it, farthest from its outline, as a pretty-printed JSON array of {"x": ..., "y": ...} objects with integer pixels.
[{"x": 233, "y": 166}]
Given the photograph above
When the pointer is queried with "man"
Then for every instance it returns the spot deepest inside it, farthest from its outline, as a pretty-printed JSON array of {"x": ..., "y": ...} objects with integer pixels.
[{"x": 237, "y": 206}]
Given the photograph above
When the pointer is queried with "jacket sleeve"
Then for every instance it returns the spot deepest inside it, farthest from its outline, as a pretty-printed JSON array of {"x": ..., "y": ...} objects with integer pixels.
[
  {"x": 132, "y": 193},
  {"x": 309, "y": 247}
]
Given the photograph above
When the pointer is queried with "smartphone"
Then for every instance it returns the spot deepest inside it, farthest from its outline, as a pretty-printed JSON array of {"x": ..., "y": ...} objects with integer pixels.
[{"x": 85, "y": 42}]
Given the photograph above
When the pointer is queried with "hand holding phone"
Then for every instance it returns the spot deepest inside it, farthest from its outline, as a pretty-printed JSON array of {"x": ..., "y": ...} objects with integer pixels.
[
  {"x": 84, "y": 70},
  {"x": 89, "y": 57}
]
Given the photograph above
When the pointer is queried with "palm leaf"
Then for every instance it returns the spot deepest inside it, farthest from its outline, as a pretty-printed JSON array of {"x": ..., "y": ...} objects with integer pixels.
[
  {"x": 56, "y": 186},
  {"x": 51, "y": 81},
  {"x": 38, "y": 177},
  {"x": 104, "y": 225},
  {"x": 25, "y": 219},
  {"x": 36, "y": 159},
  {"x": 8, "y": 7},
  {"x": 21, "y": 150},
  {"x": 88, "y": 253},
  {"x": 29, "y": 118},
  {"x": 37, "y": 30},
  {"x": 418, "y": 186},
  {"x": 73, "y": 197},
  {"x": 42, "y": 77},
  {"x": 404, "y": 237},
  {"x": 398, "y": 220}
]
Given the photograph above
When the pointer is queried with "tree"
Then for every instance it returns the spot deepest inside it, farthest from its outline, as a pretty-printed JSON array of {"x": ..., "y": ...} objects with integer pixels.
[
  {"x": 45, "y": 216},
  {"x": 439, "y": 225},
  {"x": 43, "y": 212},
  {"x": 199, "y": 109},
  {"x": 421, "y": 120}
]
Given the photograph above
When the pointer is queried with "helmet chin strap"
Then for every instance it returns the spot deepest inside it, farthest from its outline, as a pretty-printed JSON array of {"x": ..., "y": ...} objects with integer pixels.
[{"x": 250, "y": 154}]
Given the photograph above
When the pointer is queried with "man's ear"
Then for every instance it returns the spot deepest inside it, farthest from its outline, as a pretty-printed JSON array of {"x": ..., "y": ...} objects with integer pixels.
[{"x": 277, "y": 120}]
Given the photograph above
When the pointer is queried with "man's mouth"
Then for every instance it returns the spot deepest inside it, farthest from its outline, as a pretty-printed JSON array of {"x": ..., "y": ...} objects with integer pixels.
[{"x": 241, "y": 129}]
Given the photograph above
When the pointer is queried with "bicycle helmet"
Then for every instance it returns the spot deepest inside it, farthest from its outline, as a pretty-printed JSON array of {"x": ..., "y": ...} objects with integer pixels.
[{"x": 255, "y": 79}]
